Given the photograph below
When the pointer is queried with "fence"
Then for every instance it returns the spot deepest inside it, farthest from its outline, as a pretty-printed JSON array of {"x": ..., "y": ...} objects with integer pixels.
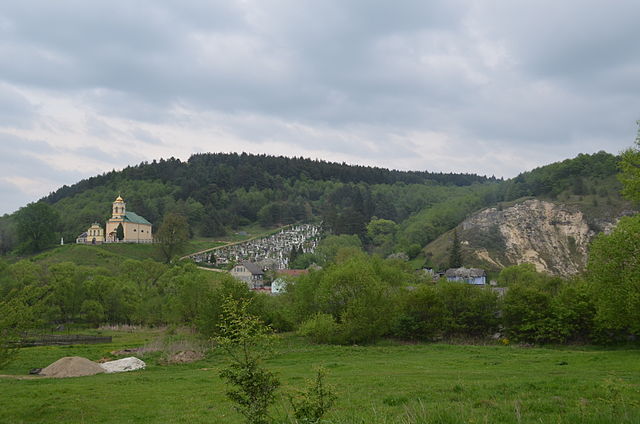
[{"x": 61, "y": 340}]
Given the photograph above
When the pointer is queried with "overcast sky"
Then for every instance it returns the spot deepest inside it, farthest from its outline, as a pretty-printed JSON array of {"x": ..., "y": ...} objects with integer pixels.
[{"x": 491, "y": 87}]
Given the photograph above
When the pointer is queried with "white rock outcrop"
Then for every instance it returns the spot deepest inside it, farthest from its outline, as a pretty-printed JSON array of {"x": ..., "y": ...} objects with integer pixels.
[
  {"x": 551, "y": 236},
  {"x": 122, "y": 365}
]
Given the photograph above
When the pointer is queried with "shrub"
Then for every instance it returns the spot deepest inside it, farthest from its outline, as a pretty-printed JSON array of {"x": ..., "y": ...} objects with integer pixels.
[
  {"x": 245, "y": 338},
  {"x": 422, "y": 315},
  {"x": 322, "y": 328},
  {"x": 312, "y": 404}
]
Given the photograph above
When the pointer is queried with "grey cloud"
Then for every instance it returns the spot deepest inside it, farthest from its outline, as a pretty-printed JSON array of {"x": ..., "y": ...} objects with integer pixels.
[
  {"x": 15, "y": 109},
  {"x": 360, "y": 74},
  {"x": 13, "y": 198}
]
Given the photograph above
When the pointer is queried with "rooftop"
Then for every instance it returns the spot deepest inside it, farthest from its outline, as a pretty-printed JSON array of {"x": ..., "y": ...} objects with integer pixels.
[
  {"x": 465, "y": 272},
  {"x": 135, "y": 218}
]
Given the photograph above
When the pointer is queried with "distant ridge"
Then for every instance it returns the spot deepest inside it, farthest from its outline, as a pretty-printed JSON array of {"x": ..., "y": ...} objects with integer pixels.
[{"x": 228, "y": 170}]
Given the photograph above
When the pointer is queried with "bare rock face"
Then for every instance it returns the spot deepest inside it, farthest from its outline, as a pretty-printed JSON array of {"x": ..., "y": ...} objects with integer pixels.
[{"x": 552, "y": 237}]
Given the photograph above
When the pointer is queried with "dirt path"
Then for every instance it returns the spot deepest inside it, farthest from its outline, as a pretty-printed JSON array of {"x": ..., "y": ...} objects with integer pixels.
[{"x": 235, "y": 242}]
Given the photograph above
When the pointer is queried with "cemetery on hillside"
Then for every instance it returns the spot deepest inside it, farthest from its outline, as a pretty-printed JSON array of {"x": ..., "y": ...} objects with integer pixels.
[{"x": 271, "y": 252}]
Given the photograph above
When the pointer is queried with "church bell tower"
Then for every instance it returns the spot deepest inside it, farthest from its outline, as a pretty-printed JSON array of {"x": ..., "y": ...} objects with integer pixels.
[{"x": 118, "y": 208}]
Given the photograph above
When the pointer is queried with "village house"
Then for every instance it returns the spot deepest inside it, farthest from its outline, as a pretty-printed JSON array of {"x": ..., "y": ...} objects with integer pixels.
[
  {"x": 474, "y": 276},
  {"x": 250, "y": 273}
]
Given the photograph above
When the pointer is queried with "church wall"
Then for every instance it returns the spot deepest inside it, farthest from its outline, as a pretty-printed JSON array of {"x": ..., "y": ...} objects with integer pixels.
[{"x": 140, "y": 233}]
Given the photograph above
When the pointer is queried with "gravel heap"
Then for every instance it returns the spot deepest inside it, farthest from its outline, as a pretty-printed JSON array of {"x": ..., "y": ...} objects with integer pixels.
[
  {"x": 122, "y": 365},
  {"x": 72, "y": 366}
]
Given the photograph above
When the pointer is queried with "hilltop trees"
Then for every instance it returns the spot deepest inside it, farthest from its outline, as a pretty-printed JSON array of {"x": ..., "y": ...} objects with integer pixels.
[
  {"x": 37, "y": 224},
  {"x": 172, "y": 235},
  {"x": 630, "y": 170}
]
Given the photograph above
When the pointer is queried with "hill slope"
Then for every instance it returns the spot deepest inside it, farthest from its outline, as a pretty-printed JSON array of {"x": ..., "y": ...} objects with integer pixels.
[
  {"x": 221, "y": 193},
  {"x": 552, "y": 234}
]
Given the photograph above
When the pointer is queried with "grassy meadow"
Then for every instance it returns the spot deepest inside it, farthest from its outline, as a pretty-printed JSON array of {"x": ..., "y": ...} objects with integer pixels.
[{"x": 385, "y": 383}]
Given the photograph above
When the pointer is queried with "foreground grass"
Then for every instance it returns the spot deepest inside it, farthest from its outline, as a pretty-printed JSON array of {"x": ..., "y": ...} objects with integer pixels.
[{"x": 387, "y": 383}]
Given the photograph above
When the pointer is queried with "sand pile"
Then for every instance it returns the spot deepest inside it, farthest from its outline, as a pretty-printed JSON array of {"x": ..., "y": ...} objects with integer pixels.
[
  {"x": 122, "y": 365},
  {"x": 72, "y": 366}
]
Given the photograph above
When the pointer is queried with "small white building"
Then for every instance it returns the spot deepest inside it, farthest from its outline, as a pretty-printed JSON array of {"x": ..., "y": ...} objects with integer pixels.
[{"x": 475, "y": 276}]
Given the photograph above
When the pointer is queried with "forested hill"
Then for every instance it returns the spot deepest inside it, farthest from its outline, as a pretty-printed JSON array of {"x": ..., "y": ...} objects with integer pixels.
[
  {"x": 391, "y": 211},
  {"x": 231, "y": 170}
]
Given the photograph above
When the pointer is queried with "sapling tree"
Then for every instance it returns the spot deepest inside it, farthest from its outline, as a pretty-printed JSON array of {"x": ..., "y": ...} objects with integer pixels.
[
  {"x": 246, "y": 339},
  {"x": 310, "y": 405}
]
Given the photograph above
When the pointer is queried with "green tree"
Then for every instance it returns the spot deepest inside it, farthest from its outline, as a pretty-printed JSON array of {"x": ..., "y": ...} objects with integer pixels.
[
  {"x": 311, "y": 405},
  {"x": 245, "y": 338},
  {"x": 37, "y": 224},
  {"x": 330, "y": 246},
  {"x": 355, "y": 294},
  {"x": 455, "y": 257},
  {"x": 172, "y": 235},
  {"x": 120, "y": 232},
  {"x": 630, "y": 170},
  {"x": 381, "y": 231},
  {"x": 614, "y": 271},
  {"x": 18, "y": 312},
  {"x": 519, "y": 274},
  {"x": 7, "y": 236}
]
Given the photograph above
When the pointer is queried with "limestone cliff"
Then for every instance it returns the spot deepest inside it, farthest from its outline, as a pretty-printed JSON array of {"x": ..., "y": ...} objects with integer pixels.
[{"x": 553, "y": 237}]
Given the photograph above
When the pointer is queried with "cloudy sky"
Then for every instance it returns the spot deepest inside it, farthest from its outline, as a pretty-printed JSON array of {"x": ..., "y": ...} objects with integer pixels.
[{"x": 494, "y": 87}]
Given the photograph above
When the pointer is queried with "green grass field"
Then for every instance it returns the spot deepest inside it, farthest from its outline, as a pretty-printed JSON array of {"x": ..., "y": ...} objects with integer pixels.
[{"x": 386, "y": 383}]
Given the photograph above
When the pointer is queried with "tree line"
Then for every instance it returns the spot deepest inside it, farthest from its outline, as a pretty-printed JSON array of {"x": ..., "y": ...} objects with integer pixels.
[{"x": 216, "y": 195}]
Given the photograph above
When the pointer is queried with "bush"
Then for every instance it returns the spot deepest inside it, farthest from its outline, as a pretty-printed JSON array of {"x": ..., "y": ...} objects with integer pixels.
[
  {"x": 312, "y": 404},
  {"x": 422, "y": 315},
  {"x": 322, "y": 328},
  {"x": 469, "y": 310}
]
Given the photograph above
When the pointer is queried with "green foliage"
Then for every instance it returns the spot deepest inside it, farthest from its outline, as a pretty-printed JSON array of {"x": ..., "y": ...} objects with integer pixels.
[
  {"x": 447, "y": 310},
  {"x": 455, "y": 256},
  {"x": 93, "y": 312},
  {"x": 614, "y": 271},
  {"x": 330, "y": 247},
  {"x": 120, "y": 232},
  {"x": 37, "y": 224},
  {"x": 18, "y": 313},
  {"x": 172, "y": 235},
  {"x": 547, "y": 311},
  {"x": 245, "y": 338},
  {"x": 310, "y": 405},
  {"x": 381, "y": 231},
  {"x": 352, "y": 301},
  {"x": 519, "y": 274},
  {"x": 8, "y": 235},
  {"x": 321, "y": 328},
  {"x": 469, "y": 310},
  {"x": 423, "y": 315},
  {"x": 136, "y": 292},
  {"x": 630, "y": 170},
  {"x": 304, "y": 261},
  {"x": 527, "y": 314}
]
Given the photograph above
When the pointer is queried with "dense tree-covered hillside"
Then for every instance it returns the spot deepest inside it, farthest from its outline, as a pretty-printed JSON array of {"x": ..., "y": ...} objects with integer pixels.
[{"x": 223, "y": 192}]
